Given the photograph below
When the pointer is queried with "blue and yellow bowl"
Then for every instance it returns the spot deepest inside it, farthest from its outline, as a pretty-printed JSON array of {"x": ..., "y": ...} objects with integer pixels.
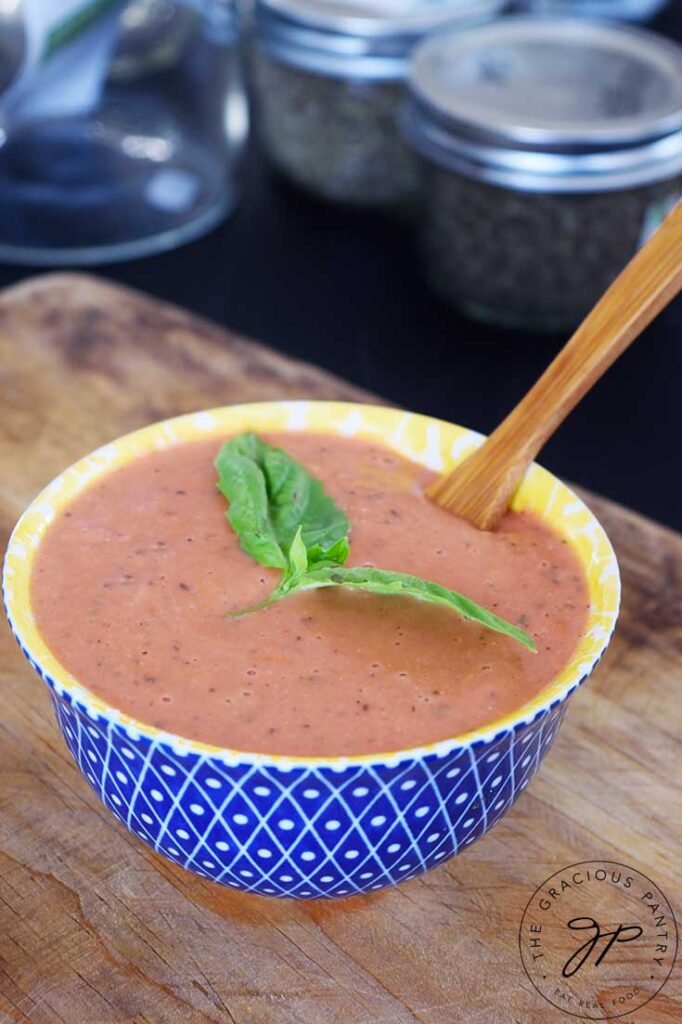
[{"x": 309, "y": 827}]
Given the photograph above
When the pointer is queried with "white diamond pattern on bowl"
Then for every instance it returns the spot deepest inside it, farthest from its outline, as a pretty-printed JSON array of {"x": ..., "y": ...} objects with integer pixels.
[{"x": 308, "y": 831}]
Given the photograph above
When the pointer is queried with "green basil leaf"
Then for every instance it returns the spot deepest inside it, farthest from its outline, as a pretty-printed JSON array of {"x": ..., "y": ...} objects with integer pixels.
[
  {"x": 394, "y": 584},
  {"x": 285, "y": 520},
  {"x": 298, "y": 500},
  {"x": 336, "y": 555},
  {"x": 298, "y": 558},
  {"x": 271, "y": 497},
  {"x": 242, "y": 481}
]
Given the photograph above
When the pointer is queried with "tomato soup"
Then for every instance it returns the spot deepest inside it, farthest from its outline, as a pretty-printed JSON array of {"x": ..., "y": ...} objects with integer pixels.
[{"x": 133, "y": 583}]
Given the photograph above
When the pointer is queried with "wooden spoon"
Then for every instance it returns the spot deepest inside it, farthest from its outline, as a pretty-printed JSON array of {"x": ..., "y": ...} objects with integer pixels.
[{"x": 481, "y": 488}]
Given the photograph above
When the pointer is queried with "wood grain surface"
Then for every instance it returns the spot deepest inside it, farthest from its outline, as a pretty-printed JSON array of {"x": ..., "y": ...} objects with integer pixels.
[{"x": 97, "y": 929}]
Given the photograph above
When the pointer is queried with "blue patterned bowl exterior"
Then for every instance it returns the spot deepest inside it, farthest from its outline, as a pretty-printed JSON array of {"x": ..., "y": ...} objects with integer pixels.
[
  {"x": 308, "y": 827},
  {"x": 304, "y": 832}
]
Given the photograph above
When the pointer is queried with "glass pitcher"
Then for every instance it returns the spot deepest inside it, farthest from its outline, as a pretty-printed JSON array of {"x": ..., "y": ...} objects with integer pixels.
[{"x": 121, "y": 126}]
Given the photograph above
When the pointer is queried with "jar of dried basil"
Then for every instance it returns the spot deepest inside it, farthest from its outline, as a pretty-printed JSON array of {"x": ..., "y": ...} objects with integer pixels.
[
  {"x": 328, "y": 80},
  {"x": 550, "y": 149}
]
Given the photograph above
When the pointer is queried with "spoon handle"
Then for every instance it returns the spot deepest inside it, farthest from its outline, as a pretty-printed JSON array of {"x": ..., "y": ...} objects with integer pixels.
[{"x": 481, "y": 488}]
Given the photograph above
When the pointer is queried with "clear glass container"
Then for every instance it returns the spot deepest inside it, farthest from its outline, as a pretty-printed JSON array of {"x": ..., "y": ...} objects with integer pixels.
[
  {"x": 121, "y": 127},
  {"x": 550, "y": 151},
  {"x": 619, "y": 10},
  {"x": 328, "y": 81},
  {"x": 152, "y": 36}
]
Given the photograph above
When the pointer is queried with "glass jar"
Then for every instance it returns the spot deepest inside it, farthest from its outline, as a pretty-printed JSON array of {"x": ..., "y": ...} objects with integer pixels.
[
  {"x": 328, "y": 82},
  {"x": 121, "y": 128},
  {"x": 550, "y": 151},
  {"x": 619, "y": 10},
  {"x": 152, "y": 36}
]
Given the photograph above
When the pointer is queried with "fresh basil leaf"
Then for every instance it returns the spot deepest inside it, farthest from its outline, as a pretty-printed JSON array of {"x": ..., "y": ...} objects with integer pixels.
[
  {"x": 272, "y": 496},
  {"x": 298, "y": 557},
  {"x": 298, "y": 500},
  {"x": 242, "y": 481},
  {"x": 337, "y": 554},
  {"x": 393, "y": 584},
  {"x": 294, "y": 573},
  {"x": 285, "y": 520}
]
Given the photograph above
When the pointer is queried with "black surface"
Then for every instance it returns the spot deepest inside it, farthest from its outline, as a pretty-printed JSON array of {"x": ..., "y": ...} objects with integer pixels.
[{"x": 343, "y": 289}]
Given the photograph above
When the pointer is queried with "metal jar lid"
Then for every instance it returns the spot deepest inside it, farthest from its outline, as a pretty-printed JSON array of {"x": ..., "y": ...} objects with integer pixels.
[
  {"x": 551, "y": 105},
  {"x": 362, "y": 38}
]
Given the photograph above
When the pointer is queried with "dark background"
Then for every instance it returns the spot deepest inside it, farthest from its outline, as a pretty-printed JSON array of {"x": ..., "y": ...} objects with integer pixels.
[{"x": 343, "y": 289}]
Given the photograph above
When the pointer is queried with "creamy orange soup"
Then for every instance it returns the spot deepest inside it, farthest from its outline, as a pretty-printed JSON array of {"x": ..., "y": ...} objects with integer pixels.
[{"x": 133, "y": 583}]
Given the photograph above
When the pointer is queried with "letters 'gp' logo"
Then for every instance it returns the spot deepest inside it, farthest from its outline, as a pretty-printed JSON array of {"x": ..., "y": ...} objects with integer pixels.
[{"x": 598, "y": 940}]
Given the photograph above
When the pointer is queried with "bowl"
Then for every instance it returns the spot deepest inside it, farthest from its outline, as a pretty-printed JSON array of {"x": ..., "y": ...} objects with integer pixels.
[{"x": 310, "y": 827}]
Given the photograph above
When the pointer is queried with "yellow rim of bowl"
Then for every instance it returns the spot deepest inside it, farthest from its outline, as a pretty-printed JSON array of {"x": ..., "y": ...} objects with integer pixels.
[{"x": 431, "y": 442}]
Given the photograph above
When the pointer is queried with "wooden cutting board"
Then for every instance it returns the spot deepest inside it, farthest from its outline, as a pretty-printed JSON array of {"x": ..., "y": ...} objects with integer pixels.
[{"x": 97, "y": 929}]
